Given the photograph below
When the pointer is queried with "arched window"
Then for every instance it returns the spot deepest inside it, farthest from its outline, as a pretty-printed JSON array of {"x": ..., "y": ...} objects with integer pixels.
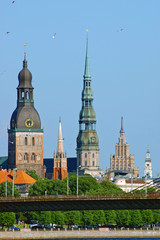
[
  {"x": 26, "y": 141},
  {"x": 92, "y": 155},
  {"x": 19, "y": 157},
  {"x": 33, "y": 157},
  {"x": 85, "y": 163},
  {"x": 33, "y": 141},
  {"x": 25, "y": 157},
  {"x": 93, "y": 163},
  {"x": 58, "y": 175},
  {"x": 85, "y": 155},
  {"x": 27, "y": 95}
]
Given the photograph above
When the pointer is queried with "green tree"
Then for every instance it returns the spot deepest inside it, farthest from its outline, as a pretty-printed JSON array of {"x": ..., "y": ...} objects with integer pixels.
[
  {"x": 156, "y": 216},
  {"x": 98, "y": 217},
  {"x": 9, "y": 189},
  {"x": 110, "y": 216},
  {"x": 57, "y": 217},
  {"x": 123, "y": 217},
  {"x": 33, "y": 174},
  {"x": 108, "y": 187},
  {"x": 87, "y": 217},
  {"x": 72, "y": 217},
  {"x": 44, "y": 217},
  {"x": 7, "y": 219},
  {"x": 147, "y": 216},
  {"x": 136, "y": 217},
  {"x": 49, "y": 186}
]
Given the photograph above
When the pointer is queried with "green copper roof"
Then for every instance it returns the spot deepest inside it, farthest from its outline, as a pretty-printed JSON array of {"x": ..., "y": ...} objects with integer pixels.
[
  {"x": 87, "y": 73},
  {"x": 24, "y": 130}
]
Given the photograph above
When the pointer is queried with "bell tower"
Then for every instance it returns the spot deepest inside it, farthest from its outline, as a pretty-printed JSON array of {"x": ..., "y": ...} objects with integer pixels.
[
  {"x": 25, "y": 136},
  {"x": 148, "y": 165},
  {"x": 87, "y": 140}
]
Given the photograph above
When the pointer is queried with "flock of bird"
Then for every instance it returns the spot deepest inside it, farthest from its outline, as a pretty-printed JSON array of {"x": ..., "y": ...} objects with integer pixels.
[{"x": 53, "y": 36}]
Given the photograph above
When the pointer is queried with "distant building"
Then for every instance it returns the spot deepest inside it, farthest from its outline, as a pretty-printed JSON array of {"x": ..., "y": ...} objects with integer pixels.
[
  {"x": 122, "y": 163},
  {"x": 128, "y": 185},
  {"x": 60, "y": 158},
  {"x": 25, "y": 136},
  {"x": 87, "y": 140},
  {"x": 148, "y": 165}
]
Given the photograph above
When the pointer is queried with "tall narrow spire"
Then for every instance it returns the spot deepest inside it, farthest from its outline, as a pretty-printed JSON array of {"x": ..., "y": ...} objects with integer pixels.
[
  {"x": 87, "y": 73},
  {"x": 60, "y": 139},
  {"x": 122, "y": 130}
]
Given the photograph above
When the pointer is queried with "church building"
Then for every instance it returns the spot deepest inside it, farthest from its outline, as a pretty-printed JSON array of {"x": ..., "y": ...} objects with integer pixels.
[
  {"x": 87, "y": 140},
  {"x": 25, "y": 136},
  {"x": 60, "y": 158}
]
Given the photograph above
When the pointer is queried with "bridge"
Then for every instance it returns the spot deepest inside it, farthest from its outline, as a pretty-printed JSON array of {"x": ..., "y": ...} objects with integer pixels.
[{"x": 80, "y": 202}]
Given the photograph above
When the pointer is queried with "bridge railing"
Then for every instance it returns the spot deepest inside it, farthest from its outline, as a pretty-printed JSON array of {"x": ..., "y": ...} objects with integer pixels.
[{"x": 83, "y": 197}]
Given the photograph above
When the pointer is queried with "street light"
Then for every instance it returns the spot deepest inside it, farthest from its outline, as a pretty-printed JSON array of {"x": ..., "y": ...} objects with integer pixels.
[
  {"x": 13, "y": 181},
  {"x": 77, "y": 178}
]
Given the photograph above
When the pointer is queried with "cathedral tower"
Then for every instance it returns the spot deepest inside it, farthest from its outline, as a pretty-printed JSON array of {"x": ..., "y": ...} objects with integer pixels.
[
  {"x": 87, "y": 140},
  {"x": 25, "y": 136},
  {"x": 60, "y": 159},
  {"x": 148, "y": 165}
]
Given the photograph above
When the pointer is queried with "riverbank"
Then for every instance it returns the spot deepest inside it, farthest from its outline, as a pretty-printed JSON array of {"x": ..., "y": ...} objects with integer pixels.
[{"x": 103, "y": 233}]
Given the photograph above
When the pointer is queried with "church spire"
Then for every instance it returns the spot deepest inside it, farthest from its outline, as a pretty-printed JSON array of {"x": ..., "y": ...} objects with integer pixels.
[
  {"x": 87, "y": 74},
  {"x": 60, "y": 139}
]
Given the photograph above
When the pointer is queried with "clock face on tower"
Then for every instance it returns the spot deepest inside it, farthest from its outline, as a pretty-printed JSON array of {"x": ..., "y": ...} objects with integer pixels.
[{"x": 29, "y": 122}]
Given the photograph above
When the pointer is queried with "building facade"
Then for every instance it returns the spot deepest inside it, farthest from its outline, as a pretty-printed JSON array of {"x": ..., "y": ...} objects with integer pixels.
[
  {"x": 25, "y": 136},
  {"x": 148, "y": 165},
  {"x": 60, "y": 158},
  {"x": 122, "y": 161},
  {"x": 87, "y": 140}
]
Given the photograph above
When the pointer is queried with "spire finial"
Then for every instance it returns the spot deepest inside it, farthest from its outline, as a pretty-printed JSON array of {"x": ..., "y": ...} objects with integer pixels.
[
  {"x": 25, "y": 44},
  {"x": 87, "y": 69},
  {"x": 122, "y": 130},
  {"x": 148, "y": 149},
  {"x": 87, "y": 31}
]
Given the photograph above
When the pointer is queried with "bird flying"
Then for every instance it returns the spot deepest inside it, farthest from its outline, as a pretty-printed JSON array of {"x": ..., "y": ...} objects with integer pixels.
[
  {"x": 13, "y": 1},
  {"x": 120, "y": 30},
  {"x": 7, "y": 32},
  {"x": 54, "y": 35}
]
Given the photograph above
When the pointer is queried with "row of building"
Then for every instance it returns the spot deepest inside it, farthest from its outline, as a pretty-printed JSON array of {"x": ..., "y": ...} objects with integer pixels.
[{"x": 25, "y": 138}]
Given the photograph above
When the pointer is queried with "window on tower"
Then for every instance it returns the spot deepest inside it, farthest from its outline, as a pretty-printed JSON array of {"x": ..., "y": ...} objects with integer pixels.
[
  {"x": 33, "y": 141},
  {"x": 92, "y": 155},
  {"x": 85, "y": 163},
  {"x": 93, "y": 163},
  {"x": 33, "y": 156},
  {"x": 85, "y": 155},
  {"x": 26, "y": 141},
  {"x": 25, "y": 157},
  {"x": 22, "y": 94},
  {"x": 27, "y": 95}
]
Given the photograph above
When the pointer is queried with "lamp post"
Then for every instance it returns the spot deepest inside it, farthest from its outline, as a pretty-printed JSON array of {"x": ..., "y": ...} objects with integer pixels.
[
  {"x": 131, "y": 181},
  {"x": 77, "y": 177},
  {"x": 6, "y": 184},
  {"x": 13, "y": 181},
  {"x": 67, "y": 184}
]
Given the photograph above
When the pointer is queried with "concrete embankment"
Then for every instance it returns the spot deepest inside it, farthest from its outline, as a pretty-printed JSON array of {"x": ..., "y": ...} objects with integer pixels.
[{"x": 102, "y": 233}]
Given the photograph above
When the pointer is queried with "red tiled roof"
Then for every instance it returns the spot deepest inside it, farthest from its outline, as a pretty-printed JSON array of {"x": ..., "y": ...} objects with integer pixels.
[
  {"x": 20, "y": 177},
  {"x": 136, "y": 181}
]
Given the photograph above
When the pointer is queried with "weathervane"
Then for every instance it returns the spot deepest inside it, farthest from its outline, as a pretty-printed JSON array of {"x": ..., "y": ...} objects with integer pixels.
[{"x": 25, "y": 44}]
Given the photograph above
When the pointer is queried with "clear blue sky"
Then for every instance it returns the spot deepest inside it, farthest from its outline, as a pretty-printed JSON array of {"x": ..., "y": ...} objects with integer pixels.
[{"x": 125, "y": 69}]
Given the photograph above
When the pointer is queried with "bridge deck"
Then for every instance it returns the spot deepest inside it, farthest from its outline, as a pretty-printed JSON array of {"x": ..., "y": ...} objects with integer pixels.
[{"x": 80, "y": 202}]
